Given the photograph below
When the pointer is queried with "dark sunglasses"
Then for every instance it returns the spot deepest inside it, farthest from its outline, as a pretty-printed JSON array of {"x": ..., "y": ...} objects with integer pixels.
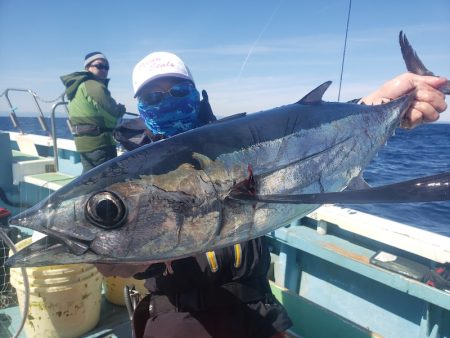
[
  {"x": 178, "y": 90},
  {"x": 101, "y": 66}
]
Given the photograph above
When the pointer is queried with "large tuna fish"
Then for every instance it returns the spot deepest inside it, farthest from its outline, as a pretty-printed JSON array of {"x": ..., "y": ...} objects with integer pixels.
[{"x": 181, "y": 196}]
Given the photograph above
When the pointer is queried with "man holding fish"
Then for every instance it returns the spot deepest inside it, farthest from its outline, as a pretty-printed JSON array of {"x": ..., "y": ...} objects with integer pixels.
[{"x": 188, "y": 213}]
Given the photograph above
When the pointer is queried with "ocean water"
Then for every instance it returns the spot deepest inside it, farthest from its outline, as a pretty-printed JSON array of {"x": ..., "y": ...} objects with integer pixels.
[{"x": 409, "y": 154}]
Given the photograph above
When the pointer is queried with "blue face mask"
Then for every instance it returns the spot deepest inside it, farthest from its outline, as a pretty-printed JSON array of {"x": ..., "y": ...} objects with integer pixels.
[{"x": 172, "y": 115}]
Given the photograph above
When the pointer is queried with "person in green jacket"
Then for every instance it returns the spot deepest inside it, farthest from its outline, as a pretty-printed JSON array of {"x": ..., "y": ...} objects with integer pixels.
[{"x": 93, "y": 113}]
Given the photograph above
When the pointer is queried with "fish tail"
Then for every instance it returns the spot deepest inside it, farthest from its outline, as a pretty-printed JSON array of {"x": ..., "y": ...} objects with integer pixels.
[{"x": 414, "y": 64}]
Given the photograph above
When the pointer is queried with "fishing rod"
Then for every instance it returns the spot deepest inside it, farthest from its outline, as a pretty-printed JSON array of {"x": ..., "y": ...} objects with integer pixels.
[
  {"x": 345, "y": 49},
  {"x": 132, "y": 114}
]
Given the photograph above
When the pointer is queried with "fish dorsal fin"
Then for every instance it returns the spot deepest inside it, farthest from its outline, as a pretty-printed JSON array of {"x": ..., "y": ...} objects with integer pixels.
[{"x": 315, "y": 96}]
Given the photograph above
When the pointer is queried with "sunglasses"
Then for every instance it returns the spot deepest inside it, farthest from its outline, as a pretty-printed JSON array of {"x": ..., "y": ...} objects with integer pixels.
[
  {"x": 179, "y": 90},
  {"x": 101, "y": 66}
]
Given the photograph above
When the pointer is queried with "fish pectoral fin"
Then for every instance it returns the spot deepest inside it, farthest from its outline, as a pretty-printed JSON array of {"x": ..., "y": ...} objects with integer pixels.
[
  {"x": 242, "y": 196},
  {"x": 424, "y": 189}
]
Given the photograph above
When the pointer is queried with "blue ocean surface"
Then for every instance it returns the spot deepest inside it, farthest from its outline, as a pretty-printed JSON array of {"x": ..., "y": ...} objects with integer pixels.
[
  {"x": 31, "y": 125},
  {"x": 410, "y": 154}
]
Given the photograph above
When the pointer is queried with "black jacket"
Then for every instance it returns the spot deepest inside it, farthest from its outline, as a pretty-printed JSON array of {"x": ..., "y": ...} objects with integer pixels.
[{"x": 234, "y": 301}]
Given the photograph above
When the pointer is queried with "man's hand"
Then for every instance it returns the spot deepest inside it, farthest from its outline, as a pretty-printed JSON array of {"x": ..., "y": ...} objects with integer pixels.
[
  {"x": 428, "y": 100},
  {"x": 121, "y": 270}
]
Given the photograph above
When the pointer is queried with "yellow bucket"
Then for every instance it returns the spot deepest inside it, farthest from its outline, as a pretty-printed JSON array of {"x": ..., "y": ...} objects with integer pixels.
[
  {"x": 114, "y": 286},
  {"x": 64, "y": 299}
]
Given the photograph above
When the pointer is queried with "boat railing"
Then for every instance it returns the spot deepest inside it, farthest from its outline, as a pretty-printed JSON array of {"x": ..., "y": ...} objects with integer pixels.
[
  {"x": 41, "y": 118},
  {"x": 55, "y": 142},
  {"x": 12, "y": 113}
]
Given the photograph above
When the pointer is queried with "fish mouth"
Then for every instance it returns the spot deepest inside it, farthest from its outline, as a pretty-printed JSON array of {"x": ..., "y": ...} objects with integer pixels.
[{"x": 49, "y": 251}]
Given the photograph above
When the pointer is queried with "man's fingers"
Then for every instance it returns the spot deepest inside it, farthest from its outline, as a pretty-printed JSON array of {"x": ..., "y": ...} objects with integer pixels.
[
  {"x": 433, "y": 81},
  {"x": 426, "y": 93},
  {"x": 428, "y": 101},
  {"x": 418, "y": 113}
]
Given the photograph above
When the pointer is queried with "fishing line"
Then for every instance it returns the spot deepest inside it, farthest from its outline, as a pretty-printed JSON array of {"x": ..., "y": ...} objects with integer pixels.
[
  {"x": 257, "y": 40},
  {"x": 345, "y": 47}
]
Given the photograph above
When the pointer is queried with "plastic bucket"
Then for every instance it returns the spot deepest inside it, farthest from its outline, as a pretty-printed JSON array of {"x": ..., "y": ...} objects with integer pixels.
[
  {"x": 64, "y": 300},
  {"x": 114, "y": 286}
]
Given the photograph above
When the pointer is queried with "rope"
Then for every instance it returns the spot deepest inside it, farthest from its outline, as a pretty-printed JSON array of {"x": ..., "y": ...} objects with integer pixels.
[
  {"x": 61, "y": 96},
  {"x": 345, "y": 48}
]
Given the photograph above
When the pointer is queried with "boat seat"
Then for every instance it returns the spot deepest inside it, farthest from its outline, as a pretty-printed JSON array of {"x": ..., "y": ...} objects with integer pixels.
[
  {"x": 25, "y": 164},
  {"x": 50, "y": 180},
  {"x": 26, "y": 144},
  {"x": 29, "y": 167}
]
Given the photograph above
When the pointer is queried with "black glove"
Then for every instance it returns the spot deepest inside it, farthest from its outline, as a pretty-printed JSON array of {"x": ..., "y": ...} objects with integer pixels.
[{"x": 205, "y": 114}]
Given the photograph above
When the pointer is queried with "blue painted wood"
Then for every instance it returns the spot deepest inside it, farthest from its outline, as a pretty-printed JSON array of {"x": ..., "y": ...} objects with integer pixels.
[
  {"x": 336, "y": 274},
  {"x": 289, "y": 267},
  {"x": 6, "y": 177},
  {"x": 356, "y": 258}
]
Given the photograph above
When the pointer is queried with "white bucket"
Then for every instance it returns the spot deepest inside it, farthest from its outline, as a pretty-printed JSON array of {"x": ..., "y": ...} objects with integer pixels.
[{"x": 64, "y": 299}]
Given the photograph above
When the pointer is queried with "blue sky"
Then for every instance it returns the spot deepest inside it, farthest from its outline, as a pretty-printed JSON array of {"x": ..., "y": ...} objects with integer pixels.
[{"x": 249, "y": 55}]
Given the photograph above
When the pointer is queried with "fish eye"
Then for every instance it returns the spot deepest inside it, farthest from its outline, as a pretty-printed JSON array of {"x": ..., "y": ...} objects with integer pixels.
[{"x": 105, "y": 210}]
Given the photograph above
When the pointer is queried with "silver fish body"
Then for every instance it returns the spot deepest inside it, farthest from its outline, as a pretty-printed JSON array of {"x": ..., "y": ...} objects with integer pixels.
[{"x": 169, "y": 199}]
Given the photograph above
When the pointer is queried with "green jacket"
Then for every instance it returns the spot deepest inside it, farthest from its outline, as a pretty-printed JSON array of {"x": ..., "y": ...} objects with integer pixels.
[{"x": 90, "y": 102}]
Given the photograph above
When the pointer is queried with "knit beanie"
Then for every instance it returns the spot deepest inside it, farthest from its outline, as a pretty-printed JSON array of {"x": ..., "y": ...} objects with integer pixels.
[{"x": 93, "y": 56}]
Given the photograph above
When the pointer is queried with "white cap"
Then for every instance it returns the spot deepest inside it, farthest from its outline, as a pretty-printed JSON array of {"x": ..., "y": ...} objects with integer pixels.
[{"x": 156, "y": 65}]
